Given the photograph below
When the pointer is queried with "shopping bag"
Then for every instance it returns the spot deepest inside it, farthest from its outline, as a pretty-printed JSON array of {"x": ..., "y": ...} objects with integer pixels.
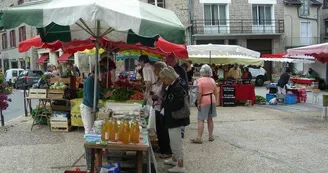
[{"x": 152, "y": 120}]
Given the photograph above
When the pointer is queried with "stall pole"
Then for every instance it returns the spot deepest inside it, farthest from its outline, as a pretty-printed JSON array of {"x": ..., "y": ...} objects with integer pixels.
[
  {"x": 210, "y": 57},
  {"x": 25, "y": 108},
  {"x": 96, "y": 69},
  {"x": 108, "y": 72},
  {"x": 2, "y": 118}
]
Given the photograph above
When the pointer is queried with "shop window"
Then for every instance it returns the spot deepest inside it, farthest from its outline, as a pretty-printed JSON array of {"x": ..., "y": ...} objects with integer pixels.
[
  {"x": 129, "y": 64},
  {"x": 12, "y": 38},
  {"x": 232, "y": 42},
  {"x": 22, "y": 33},
  {"x": 4, "y": 41},
  {"x": 158, "y": 3}
]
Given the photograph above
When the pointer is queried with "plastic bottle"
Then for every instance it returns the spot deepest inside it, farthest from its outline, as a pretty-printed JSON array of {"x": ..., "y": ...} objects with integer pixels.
[
  {"x": 114, "y": 131},
  {"x": 135, "y": 133},
  {"x": 108, "y": 129},
  {"x": 126, "y": 132},
  {"x": 120, "y": 133}
]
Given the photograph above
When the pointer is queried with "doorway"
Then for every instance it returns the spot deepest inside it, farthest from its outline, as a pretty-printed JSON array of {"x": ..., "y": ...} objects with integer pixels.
[{"x": 306, "y": 33}]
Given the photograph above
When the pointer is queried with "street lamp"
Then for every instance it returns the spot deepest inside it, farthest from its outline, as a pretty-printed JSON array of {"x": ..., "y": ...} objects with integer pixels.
[{"x": 291, "y": 27}]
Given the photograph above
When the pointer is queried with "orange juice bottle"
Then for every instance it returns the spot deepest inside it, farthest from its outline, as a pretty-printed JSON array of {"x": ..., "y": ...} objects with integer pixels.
[
  {"x": 104, "y": 132},
  {"x": 135, "y": 133},
  {"x": 126, "y": 133},
  {"x": 120, "y": 133},
  {"x": 114, "y": 131},
  {"x": 108, "y": 129}
]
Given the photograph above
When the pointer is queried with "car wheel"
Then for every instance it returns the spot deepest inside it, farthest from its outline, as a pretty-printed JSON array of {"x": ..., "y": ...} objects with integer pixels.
[{"x": 259, "y": 81}]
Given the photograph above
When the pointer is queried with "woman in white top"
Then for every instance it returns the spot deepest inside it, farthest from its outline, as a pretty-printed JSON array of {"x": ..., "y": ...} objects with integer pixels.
[{"x": 161, "y": 130}]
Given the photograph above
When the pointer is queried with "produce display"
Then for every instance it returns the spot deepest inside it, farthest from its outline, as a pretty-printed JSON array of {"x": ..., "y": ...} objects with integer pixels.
[
  {"x": 58, "y": 86},
  {"x": 260, "y": 99},
  {"x": 137, "y": 96}
]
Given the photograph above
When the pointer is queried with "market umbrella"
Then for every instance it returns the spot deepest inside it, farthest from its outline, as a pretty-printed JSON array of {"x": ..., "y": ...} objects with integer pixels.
[
  {"x": 222, "y": 54},
  {"x": 36, "y": 42},
  {"x": 318, "y": 51},
  {"x": 70, "y": 20}
]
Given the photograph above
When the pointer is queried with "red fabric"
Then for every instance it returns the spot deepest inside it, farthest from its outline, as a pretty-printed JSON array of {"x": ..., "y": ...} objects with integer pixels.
[
  {"x": 243, "y": 92},
  {"x": 179, "y": 51},
  {"x": 276, "y": 55},
  {"x": 303, "y": 81},
  {"x": 42, "y": 59},
  {"x": 37, "y": 43},
  {"x": 245, "y": 75},
  {"x": 322, "y": 57},
  {"x": 64, "y": 57}
]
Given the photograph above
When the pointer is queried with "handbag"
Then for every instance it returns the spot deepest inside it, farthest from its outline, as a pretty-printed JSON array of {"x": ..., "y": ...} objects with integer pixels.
[{"x": 184, "y": 112}]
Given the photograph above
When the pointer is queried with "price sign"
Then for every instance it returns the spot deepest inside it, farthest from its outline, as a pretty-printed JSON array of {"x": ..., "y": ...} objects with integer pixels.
[{"x": 228, "y": 95}]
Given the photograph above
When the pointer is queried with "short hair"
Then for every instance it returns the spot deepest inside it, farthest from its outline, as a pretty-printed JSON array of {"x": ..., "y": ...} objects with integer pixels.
[
  {"x": 159, "y": 65},
  {"x": 144, "y": 58},
  {"x": 168, "y": 72},
  {"x": 206, "y": 71}
]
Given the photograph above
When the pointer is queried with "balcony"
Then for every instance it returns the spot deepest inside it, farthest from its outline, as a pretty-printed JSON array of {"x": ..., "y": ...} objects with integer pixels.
[{"x": 238, "y": 27}]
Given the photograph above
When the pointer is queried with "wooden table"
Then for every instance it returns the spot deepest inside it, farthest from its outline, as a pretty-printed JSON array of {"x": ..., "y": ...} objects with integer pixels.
[{"x": 96, "y": 150}]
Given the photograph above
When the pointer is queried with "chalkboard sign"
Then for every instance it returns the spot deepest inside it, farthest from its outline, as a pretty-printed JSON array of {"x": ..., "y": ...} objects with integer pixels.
[{"x": 228, "y": 95}]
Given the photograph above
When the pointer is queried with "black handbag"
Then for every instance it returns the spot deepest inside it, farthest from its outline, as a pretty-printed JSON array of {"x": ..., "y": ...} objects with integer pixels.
[{"x": 184, "y": 112}]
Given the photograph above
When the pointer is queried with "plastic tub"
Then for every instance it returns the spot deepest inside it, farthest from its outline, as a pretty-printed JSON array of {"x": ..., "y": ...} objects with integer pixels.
[
  {"x": 270, "y": 96},
  {"x": 290, "y": 99}
]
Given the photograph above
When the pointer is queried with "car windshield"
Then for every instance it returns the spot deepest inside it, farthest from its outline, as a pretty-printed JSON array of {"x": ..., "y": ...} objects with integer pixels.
[{"x": 35, "y": 73}]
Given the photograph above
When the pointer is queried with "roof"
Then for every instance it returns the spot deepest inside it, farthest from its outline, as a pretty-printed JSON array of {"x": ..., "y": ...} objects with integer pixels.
[{"x": 299, "y": 2}]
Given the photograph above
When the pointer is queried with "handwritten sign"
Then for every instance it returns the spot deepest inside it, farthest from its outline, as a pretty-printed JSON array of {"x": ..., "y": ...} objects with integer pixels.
[{"x": 228, "y": 95}]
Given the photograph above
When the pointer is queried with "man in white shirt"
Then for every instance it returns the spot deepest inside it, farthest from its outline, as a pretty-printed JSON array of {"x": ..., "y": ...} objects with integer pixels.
[{"x": 147, "y": 73}]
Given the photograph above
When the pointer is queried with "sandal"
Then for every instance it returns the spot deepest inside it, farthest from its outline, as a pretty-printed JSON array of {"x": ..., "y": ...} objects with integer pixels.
[
  {"x": 211, "y": 138},
  {"x": 196, "y": 141},
  {"x": 165, "y": 156}
]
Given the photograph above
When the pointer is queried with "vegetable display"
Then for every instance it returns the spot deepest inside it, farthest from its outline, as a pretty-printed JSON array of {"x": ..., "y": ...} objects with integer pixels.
[
  {"x": 121, "y": 94},
  {"x": 137, "y": 96},
  {"x": 260, "y": 99},
  {"x": 59, "y": 86}
]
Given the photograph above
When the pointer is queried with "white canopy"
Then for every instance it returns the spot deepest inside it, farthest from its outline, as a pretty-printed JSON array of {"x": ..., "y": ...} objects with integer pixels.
[
  {"x": 289, "y": 60},
  {"x": 212, "y": 50}
]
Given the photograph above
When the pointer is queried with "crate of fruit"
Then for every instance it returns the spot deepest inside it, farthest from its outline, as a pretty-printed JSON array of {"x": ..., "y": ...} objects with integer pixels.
[
  {"x": 38, "y": 93},
  {"x": 60, "y": 124}
]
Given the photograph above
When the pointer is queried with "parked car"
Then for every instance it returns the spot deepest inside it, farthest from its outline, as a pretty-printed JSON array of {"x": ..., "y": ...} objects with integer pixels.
[
  {"x": 27, "y": 78},
  {"x": 259, "y": 74},
  {"x": 12, "y": 74}
]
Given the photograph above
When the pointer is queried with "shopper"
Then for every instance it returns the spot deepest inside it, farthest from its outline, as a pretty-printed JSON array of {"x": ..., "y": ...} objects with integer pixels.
[
  {"x": 283, "y": 81},
  {"x": 206, "y": 103},
  {"x": 173, "y": 62},
  {"x": 86, "y": 107},
  {"x": 161, "y": 129},
  {"x": 147, "y": 73},
  {"x": 174, "y": 101}
]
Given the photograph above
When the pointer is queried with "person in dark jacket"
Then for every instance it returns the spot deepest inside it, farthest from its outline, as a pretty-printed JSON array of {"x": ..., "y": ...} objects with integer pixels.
[
  {"x": 283, "y": 81},
  {"x": 174, "y": 101}
]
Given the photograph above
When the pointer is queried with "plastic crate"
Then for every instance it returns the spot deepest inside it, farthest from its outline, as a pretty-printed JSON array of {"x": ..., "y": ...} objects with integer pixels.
[
  {"x": 290, "y": 99},
  {"x": 270, "y": 96}
]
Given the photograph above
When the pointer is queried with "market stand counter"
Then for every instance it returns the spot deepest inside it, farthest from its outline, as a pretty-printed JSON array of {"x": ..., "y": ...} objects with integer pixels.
[
  {"x": 76, "y": 118},
  {"x": 94, "y": 152},
  {"x": 243, "y": 92},
  {"x": 306, "y": 81}
]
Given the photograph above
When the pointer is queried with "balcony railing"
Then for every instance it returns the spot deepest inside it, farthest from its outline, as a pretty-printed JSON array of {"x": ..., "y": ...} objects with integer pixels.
[{"x": 237, "y": 26}]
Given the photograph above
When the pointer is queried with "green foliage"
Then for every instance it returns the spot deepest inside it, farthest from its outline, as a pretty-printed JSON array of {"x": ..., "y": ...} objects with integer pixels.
[
  {"x": 260, "y": 99},
  {"x": 121, "y": 94}
]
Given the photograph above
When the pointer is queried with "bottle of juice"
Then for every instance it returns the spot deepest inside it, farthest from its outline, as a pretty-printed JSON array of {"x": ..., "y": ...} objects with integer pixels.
[
  {"x": 114, "y": 131},
  {"x": 126, "y": 133},
  {"x": 135, "y": 133},
  {"x": 120, "y": 133},
  {"x": 104, "y": 132},
  {"x": 108, "y": 129}
]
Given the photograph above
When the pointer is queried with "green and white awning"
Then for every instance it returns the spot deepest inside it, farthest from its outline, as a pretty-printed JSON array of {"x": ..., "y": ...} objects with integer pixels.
[{"x": 64, "y": 19}]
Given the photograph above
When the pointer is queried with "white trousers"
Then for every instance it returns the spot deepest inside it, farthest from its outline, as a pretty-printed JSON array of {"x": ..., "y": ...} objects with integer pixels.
[
  {"x": 87, "y": 118},
  {"x": 176, "y": 143},
  {"x": 281, "y": 90}
]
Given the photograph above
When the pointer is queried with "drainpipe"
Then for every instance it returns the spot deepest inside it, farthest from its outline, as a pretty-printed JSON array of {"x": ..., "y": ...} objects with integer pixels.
[{"x": 190, "y": 10}]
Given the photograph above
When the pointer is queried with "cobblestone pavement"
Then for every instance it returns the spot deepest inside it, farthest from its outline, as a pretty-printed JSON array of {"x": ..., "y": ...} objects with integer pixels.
[{"x": 247, "y": 139}]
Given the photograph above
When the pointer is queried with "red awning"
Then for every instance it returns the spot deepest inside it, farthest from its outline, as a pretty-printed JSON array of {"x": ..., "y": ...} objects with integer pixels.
[
  {"x": 276, "y": 55},
  {"x": 42, "y": 59},
  {"x": 64, "y": 57}
]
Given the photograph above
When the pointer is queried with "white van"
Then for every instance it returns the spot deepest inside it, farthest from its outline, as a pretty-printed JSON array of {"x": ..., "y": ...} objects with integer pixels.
[{"x": 12, "y": 74}]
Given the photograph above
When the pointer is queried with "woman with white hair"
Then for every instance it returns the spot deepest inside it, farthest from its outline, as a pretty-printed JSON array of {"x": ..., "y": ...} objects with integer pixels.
[
  {"x": 206, "y": 103},
  {"x": 174, "y": 101}
]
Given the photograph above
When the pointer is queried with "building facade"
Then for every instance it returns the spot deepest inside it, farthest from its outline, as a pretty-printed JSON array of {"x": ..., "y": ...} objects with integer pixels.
[{"x": 10, "y": 57}]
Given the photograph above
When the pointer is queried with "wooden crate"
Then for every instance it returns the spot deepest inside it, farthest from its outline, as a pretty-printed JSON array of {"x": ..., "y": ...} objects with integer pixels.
[
  {"x": 60, "y": 124},
  {"x": 55, "y": 94},
  {"x": 66, "y": 81},
  {"x": 38, "y": 93}
]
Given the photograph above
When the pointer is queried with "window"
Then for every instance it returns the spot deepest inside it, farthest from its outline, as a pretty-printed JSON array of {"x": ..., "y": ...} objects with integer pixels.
[
  {"x": 325, "y": 4},
  {"x": 20, "y": 2},
  {"x": 15, "y": 74},
  {"x": 158, "y": 3},
  {"x": 215, "y": 14},
  {"x": 326, "y": 27},
  {"x": 262, "y": 15},
  {"x": 232, "y": 42},
  {"x": 305, "y": 9},
  {"x": 12, "y": 38},
  {"x": 4, "y": 41},
  {"x": 22, "y": 33}
]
